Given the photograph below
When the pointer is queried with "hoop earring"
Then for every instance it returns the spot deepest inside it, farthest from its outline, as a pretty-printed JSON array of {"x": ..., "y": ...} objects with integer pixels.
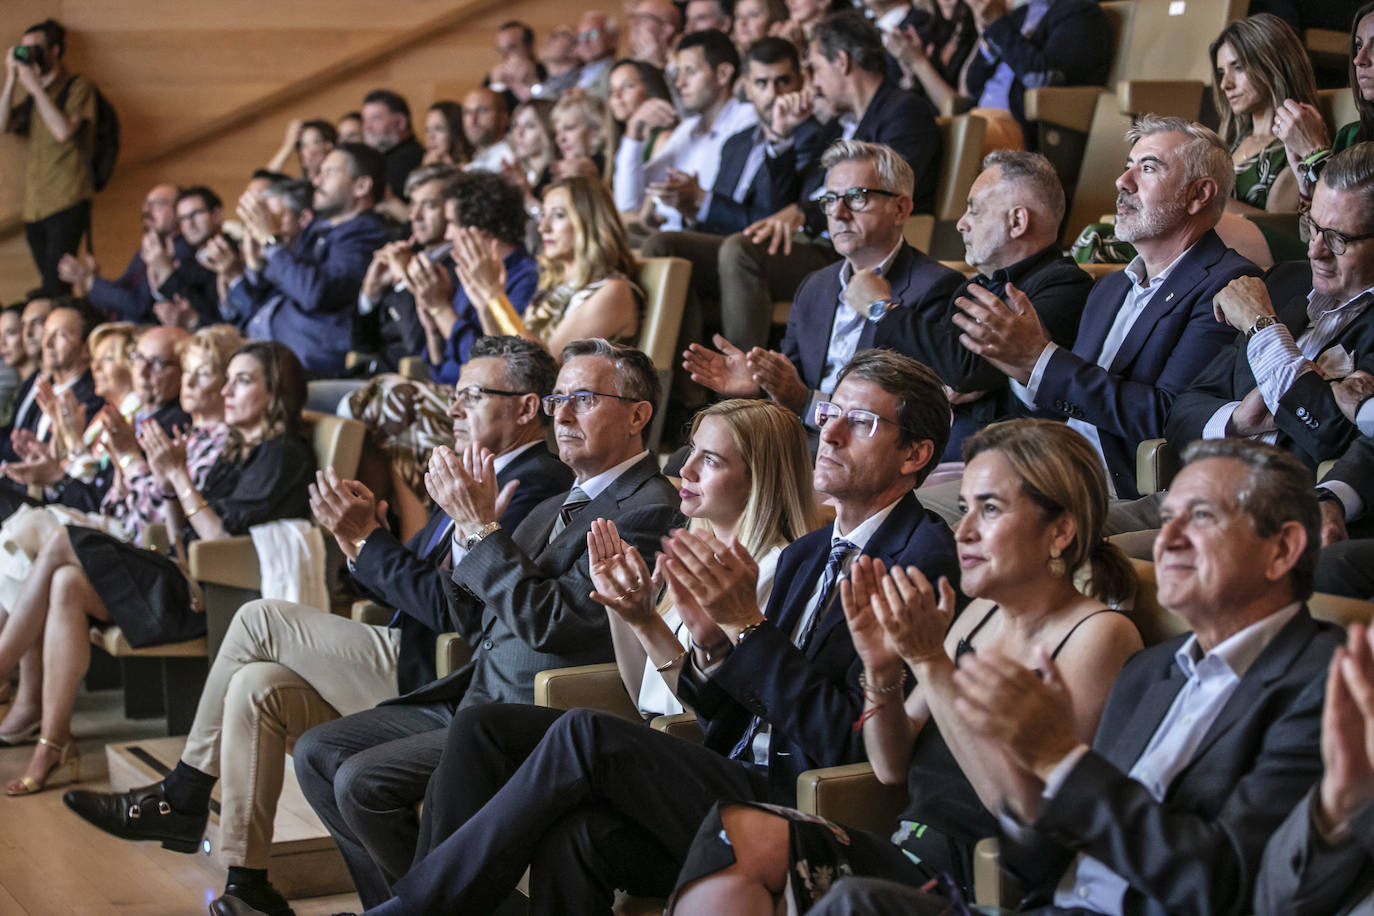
[{"x": 1056, "y": 566}]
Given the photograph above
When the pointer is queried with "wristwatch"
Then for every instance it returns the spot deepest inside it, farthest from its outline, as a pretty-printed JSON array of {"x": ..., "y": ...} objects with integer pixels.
[
  {"x": 358, "y": 544},
  {"x": 1262, "y": 322},
  {"x": 472, "y": 540}
]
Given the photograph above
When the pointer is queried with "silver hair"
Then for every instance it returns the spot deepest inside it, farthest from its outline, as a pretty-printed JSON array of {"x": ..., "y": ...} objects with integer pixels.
[
  {"x": 1033, "y": 172},
  {"x": 439, "y": 171},
  {"x": 893, "y": 171},
  {"x": 1203, "y": 155},
  {"x": 1352, "y": 171}
]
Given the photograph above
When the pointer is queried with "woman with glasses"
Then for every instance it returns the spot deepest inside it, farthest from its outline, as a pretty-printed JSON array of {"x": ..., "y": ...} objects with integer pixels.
[
  {"x": 81, "y": 574},
  {"x": 747, "y": 477},
  {"x": 1034, "y": 498}
]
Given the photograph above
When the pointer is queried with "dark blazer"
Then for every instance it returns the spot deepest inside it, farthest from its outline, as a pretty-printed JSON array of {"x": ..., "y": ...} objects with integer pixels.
[
  {"x": 128, "y": 297},
  {"x": 809, "y": 695},
  {"x": 199, "y": 284},
  {"x": 1072, "y": 45},
  {"x": 1310, "y": 424},
  {"x": 1169, "y": 344},
  {"x": 1056, "y": 287},
  {"x": 83, "y": 391},
  {"x": 900, "y": 119},
  {"x": 524, "y": 603},
  {"x": 917, "y": 282},
  {"x": 87, "y": 495},
  {"x": 726, "y": 215},
  {"x": 407, "y": 576},
  {"x": 1356, "y": 469},
  {"x": 1303, "y": 875},
  {"x": 1198, "y": 850}
]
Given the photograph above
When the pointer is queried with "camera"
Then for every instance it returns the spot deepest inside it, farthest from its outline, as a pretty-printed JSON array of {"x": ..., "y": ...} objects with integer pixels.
[{"x": 29, "y": 54}]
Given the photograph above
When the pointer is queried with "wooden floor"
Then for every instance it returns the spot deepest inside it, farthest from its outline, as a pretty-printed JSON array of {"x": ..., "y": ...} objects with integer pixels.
[{"x": 52, "y": 863}]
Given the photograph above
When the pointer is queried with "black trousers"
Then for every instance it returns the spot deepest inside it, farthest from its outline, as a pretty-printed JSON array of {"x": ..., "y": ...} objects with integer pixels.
[
  {"x": 600, "y": 804},
  {"x": 53, "y": 236}
]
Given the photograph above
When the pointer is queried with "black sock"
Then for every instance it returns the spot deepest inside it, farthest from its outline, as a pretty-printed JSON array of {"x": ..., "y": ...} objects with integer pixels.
[
  {"x": 188, "y": 789},
  {"x": 252, "y": 887},
  {"x": 254, "y": 878}
]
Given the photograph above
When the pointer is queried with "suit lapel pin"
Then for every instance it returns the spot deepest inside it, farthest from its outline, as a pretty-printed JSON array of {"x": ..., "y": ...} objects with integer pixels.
[{"x": 1169, "y": 298}]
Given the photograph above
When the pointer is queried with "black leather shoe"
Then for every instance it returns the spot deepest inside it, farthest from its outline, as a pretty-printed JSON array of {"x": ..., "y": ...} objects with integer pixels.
[
  {"x": 230, "y": 904},
  {"x": 140, "y": 814}
]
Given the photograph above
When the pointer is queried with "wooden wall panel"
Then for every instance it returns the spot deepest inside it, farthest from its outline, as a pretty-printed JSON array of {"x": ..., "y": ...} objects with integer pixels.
[{"x": 172, "y": 68}]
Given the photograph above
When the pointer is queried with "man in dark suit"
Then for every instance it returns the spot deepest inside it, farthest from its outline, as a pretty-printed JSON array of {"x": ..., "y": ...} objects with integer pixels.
[
  {"x": 738, "y": 199},
  {"x": 867, "y": 199},
  {"x": 603, "y": 803},
  {"x": 1319, "y": 331},
  {"x": 304, "y": 294},
  {"x": 1206, "y": 742},
  {"x": 328, "y": 666},
  {"x": 1147, "y": 331},
  {"x": 1011, "y": 236},
  {"x": 521, "y": 599},
  {"x": 852, "y": 94},
  {"x": 187, "y": 293}
]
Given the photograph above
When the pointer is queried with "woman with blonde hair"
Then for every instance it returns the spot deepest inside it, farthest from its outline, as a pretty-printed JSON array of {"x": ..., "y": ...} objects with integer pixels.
[
  {"x": 747, "y": 477},
  {"x": 531, "y": 139},
  {"x": 580, "y": 126},
  {"x": 1035, "y": 496},
  {"x": 585, "y": 268}
]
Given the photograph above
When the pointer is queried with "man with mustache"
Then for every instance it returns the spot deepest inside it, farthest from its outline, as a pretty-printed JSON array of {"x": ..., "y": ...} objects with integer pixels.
[{"x": 1147, "y": 331}]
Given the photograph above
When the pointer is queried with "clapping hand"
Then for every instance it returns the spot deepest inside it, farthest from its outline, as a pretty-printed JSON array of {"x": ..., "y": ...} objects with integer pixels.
[
  {"x": 778, "y": 378},
  {"x": 678, "y": 190},
  {"x": 430, "y": 284},
  {"x": 1007, "y": 333},
  {"x": 904, "y": 605},
  {"x": 79, "y": 271},
  {"x": 257, "y": 219},
  {"x": 477, "y": 259},
  {"x": 465, "y": 486},
  {"x": 722, "y": 578},
  {"x": 38, "y": 463},
  {"x": 346, "y": 509},
  {"x": 620, "y": 577},
  {"x": 1347, "y": 742},
  {"x": 166, "y": 454},
  {"x": 724, "y": 372}
]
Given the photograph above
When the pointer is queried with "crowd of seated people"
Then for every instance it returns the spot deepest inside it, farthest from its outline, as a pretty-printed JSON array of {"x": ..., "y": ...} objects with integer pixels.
[{"x": 878, "y": 533}]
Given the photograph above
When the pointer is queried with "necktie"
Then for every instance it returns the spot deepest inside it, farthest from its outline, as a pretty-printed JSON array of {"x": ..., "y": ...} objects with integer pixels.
[
  {"x": 820, "y": 603},
  {"x": 575, "y": 500}
]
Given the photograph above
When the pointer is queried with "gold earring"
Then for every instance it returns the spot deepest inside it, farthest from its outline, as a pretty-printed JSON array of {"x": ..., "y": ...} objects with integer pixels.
[{"x": 1056, "y": 565}]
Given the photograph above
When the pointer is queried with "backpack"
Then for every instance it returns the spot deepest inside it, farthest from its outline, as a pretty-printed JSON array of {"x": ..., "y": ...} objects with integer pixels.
[{"x": 104, "y": 132}]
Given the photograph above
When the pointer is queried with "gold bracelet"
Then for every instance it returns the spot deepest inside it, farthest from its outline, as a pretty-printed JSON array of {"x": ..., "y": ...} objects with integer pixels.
[
  {"x": 672, "y": 661},
  {"x": 203, "y": 505},
  {"x": 126, "y": 460}
]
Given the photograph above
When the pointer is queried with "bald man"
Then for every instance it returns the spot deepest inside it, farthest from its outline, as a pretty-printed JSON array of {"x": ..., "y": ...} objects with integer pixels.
[{"x": 485, "y": 120}]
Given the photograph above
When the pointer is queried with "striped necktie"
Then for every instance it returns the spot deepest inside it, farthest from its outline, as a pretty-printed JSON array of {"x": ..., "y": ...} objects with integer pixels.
[{"x": 574, "y": 502}]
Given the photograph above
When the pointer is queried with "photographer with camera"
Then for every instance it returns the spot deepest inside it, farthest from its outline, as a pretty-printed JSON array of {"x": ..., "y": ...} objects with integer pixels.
[{"x": 55, "y": 111}]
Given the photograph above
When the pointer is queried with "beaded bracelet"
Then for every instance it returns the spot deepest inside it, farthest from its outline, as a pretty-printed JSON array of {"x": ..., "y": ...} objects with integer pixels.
[{"x": 874, "y": 692}]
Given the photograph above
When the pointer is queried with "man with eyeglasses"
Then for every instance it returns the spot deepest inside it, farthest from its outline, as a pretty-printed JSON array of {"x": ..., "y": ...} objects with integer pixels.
[
  {"x": 837, "y": 310},
  {"x": 185, "y": 294},
  {"x": 1275, "y": 383},
  {"x": 597, "y": 40},
  {"x": 284, "y": 667},
  {"x": 654, "y": 28},
  {"x": 520, "y": 597},
  {"x": 603, "y": 803}
]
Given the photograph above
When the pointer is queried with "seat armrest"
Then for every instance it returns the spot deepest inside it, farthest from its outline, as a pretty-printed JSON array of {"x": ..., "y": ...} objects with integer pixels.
[
  {"x": 1156, "y": 463},
  {"x": 586, "y": 687},
  {"x": 370, "y": 612},
  {"x": 851, "y": 794},
  {"x": 1182, "y": 98},
  {"x": 355, "y": 358},
  {"x": 1064, "y": 106},
  {"x": 684, "y": 725},
  {"x": 226, "y": 561},
  {"x": 413, "y": 367},
  {"x": 992, "y": 886},
  {"x": 451, "y": 652}
]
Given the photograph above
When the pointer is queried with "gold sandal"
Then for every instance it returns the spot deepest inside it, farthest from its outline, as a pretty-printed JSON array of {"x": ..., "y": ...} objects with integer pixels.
[{"x": 27, "y": 785}]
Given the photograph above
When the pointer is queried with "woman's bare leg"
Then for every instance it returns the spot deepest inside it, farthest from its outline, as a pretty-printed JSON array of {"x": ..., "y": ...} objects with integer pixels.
[
  {"x": 758, "y": 875},
  {"x": 28, "y": 695},
  {"x": 24, "y": 629}
]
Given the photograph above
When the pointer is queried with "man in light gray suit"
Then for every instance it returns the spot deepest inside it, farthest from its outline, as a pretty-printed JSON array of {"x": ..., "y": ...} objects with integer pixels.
[{"x": 520, "y": 598}]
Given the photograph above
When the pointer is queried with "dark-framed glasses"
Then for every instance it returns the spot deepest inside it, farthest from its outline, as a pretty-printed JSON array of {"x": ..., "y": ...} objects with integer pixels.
[
  {"x": 582, "y": 401},
  {"x": 856, "y": 199},
  {"x": 1333, "y": 239},
  {"x": 472, "y": 395},
  {"x": 862, "y": 423}
]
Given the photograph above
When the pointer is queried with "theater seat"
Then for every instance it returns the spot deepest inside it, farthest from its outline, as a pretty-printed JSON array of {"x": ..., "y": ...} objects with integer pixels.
[
  {"x": 1156, "y": 463},
  {"x": 960, "y": 163},
  {"x": 664, "y": 282}
]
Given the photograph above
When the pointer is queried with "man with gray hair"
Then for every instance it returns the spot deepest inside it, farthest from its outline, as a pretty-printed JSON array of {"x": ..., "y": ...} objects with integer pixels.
[
  {"x": 867, "y": 199},
  {"x": 1011, "y": 237},
  {"x": 1147, "y": 331}
]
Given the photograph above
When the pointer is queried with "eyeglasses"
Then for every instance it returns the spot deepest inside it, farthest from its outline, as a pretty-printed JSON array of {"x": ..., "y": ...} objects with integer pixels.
[
  {"x": 862, "y": 423},
  {"x": 199, "y": 211},
  {"x": 472, "y": 395},
  {"x": 1333, "y": 239},
  {"x": 156, "y": 363},
  {"x": 589, "y": 35},
  {"x": 856, "y": 199},
  {"x": 582, "y": 401}
]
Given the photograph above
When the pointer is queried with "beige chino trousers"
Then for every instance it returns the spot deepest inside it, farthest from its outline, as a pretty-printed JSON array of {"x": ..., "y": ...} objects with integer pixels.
[{"x": 283, "y": 668}]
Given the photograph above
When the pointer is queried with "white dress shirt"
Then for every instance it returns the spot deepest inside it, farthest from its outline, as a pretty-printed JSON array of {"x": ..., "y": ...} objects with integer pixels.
[{"x": 492, "y": 159}]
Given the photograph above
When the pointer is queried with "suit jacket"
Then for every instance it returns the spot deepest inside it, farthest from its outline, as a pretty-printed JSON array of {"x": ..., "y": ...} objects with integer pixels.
[
  {"x": 725, "y": 214},
  {"x": 1072, "y": 45},
  {"x": 1197, "y": 851},
  {"x": 917, "y": 282},
  {"x": 199, "y": 284},
  {"x": 129, "y": 297},
  {"x": 407, "y": 576},
  {"x": 523, "y": 603},
  {"x": 83, "y": 391},
  {"x": 809, "y": 695},
  {"x": 1303, "y": 875},
  {"x": 1056, "y": 287},
  {"x": 1310, "y": 424},
  {"x": 900, "y": 119},
  {"x": 1170, "y": 343}
]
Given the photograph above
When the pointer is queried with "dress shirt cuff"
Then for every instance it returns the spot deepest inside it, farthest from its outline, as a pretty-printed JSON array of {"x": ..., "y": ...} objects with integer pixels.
[
  {"x": 1276, "y": 362},
  {"x": 1351, "y": 504},
  {"x": 1061, "y": 771},
  {"x": 1364, "y": 418},
  {"x": 808, "y": 416},
  {"x": 1215, "y": 427},
  {"x": 365, "y": 303},
  {"x": 775, "y": 148},
  {"x": 1032, "y": 387},
  {"x": 459, "y": 551},
  {"x": 705, "y": 208}
]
